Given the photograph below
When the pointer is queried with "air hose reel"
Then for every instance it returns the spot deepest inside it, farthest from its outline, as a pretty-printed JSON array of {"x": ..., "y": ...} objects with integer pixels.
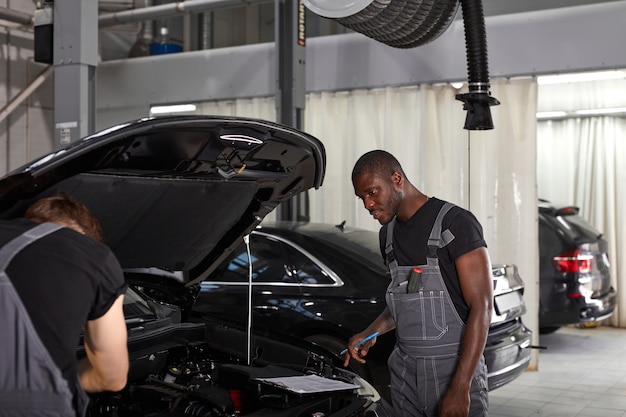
[{"x": 412, "y": 23}]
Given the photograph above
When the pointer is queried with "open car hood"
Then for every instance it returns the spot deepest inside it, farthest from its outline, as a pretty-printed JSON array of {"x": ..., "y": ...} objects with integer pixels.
[{"x": 175, "y": 193}]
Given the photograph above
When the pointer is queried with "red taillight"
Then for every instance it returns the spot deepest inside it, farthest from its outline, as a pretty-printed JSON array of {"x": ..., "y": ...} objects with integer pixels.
[
  {"x": 238, "y": 400},
  {"x": 572, "y": 261},
  {"x": 575, "y": 295}
]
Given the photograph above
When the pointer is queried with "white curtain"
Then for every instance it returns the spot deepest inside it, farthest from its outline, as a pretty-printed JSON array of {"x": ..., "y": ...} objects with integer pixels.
[
  {"x": 580, "y": 163},
  {"x": 258, "y": 108}
]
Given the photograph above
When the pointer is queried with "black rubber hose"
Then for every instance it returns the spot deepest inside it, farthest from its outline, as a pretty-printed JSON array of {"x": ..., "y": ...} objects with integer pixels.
[
  {"x": 478, "y": 100},
  {"x": 475, "y": 45},
  {"x": 410, "y": 23}
]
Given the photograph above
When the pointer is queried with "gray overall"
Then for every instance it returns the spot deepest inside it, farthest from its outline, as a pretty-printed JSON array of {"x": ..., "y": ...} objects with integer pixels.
[
  {"x": 32, "y": 385},
  {"x": 429, "y": 333}
]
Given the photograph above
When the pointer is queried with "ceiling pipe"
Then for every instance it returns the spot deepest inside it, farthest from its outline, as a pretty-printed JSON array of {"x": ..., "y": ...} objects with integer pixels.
[
  {"x": 16, "y": 17},
  {"x": 169, "y": 10}
]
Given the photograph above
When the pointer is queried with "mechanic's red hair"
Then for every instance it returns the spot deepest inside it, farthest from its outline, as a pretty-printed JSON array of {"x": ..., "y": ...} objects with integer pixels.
[{"x": 65, "y": 210}]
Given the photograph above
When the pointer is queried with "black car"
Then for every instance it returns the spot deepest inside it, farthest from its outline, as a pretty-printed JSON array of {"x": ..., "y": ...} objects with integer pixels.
[
  {"x": 325, "y": 283},
  {"x": 174, "y": 196},
  {"x": 574, "y": 276}
]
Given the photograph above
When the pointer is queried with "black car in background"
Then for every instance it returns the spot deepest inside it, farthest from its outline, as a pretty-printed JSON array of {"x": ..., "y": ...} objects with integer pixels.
[
  {"x": 324, "y": 283},
  {"x": 174, "y": 195},
  {"x": 574, "y": 276}
]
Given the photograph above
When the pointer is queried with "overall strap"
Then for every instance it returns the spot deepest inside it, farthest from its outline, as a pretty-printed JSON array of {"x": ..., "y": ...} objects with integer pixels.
[
  {"x": 390, "y": 256},
  {"x": 8, "y": 251},
  {"x": 32, "y": 385},
  {"x": 438, "y": 238}
]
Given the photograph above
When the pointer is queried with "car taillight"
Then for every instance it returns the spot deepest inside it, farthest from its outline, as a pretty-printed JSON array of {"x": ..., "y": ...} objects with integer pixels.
[
  {"x": 238, "y": 400},
  {"x": 572, "y": 261}
]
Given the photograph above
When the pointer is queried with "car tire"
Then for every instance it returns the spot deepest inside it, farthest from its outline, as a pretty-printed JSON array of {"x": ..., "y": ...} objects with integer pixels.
[{"x": 336, "y": 345}]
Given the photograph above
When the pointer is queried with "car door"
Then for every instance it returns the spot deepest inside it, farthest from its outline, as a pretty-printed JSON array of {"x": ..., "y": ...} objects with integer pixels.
[{"x": 276, "y": 285}]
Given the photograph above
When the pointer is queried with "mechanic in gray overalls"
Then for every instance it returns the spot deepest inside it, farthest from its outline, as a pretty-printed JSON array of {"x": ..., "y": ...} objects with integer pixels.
[{"x": 437, "y": 367}]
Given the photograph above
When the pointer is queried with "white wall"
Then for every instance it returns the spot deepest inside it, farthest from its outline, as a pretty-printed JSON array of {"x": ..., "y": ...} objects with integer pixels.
[{"x": 27, "y": 131}]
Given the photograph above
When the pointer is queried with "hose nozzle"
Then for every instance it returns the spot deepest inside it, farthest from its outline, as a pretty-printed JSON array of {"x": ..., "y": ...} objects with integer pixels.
[{"x": 478, "y": 112}]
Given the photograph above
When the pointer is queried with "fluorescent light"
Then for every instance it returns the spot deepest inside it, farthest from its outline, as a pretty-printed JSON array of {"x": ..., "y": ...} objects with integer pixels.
[
  {"x": 611, "y": 110},
  {"x": 175, "y": 108},
  {"x": 550, "y": 114},
  {"x": 584, "y": 112},
  {"x": 581, "y": 76},
  {"x": 458, "y": 85}
]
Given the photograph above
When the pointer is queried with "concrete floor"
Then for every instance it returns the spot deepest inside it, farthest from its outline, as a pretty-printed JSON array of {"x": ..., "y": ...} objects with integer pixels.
[{"x": 582, "y": 373}]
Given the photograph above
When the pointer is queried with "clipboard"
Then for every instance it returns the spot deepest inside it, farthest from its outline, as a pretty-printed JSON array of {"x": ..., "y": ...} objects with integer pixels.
[{"x": 308, "y": 384}]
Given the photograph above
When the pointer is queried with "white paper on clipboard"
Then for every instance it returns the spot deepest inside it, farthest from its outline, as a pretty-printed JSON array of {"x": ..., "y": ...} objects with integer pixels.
[{"x": 308, "y": 384}]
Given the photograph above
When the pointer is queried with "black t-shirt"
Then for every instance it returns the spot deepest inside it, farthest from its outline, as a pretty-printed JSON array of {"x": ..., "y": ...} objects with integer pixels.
[
  {"x": 63, "y": 280},
  {"x": 410, "y": 243}
]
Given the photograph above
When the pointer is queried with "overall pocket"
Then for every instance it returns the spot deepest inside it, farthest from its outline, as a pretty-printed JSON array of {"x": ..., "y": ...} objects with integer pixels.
[{"x": 420, "y": 315}]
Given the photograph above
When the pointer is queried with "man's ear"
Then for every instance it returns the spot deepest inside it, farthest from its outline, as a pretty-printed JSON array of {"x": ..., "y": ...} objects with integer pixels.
[{"x": 398, "y": 179}]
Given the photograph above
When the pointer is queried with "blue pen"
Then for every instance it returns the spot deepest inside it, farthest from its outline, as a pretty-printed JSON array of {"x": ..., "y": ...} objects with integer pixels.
[{"x": 370, "y": 337}]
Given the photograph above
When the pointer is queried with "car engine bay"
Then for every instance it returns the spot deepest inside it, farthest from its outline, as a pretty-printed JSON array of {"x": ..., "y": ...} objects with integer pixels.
[{"x": 200, "y": 369}]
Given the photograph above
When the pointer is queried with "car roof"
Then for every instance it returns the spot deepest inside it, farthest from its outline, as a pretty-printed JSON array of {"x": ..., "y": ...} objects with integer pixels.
[
  {"x": 567, "y": 220},
  {"x": 362, "y": 242},
  {"x": 548, "y": 208}
]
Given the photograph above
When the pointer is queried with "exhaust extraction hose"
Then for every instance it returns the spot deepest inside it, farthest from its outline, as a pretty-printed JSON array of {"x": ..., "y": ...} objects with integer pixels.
[
  {"x": 412, "y": 23},
  {"x": 479, "y": 98}
]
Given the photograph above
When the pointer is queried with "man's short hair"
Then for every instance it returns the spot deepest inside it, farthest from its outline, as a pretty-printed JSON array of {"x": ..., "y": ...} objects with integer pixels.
[
  {"x": 65, "y": 210},
  {"x": 377, "y": 162}
]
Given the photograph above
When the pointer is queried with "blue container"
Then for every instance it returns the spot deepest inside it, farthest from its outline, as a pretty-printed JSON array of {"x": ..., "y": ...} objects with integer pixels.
[{"x": 164, "y": 48}]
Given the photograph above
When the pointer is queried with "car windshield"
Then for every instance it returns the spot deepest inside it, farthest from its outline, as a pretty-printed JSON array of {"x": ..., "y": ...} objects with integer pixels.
[{"x": 135, "y": 307}]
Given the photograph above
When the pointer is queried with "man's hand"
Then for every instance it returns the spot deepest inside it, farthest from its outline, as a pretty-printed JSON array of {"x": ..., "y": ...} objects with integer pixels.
[
  {"x": 383, "y": 323},
  {"x": 106, "y": 366},
  {"x": 455, "y": 403},
  {"x": 360, "y": 351}
]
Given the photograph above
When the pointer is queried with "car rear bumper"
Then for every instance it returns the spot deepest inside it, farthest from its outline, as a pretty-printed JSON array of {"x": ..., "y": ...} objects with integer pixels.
[
  {"x": 598, "y": 309},
  {"x": 583, "y": 310},
  {"x": 507, "y": 353}
]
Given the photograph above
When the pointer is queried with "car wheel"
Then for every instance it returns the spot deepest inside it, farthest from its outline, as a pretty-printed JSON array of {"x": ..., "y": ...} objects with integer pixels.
[{"x": 336, "y": 345}]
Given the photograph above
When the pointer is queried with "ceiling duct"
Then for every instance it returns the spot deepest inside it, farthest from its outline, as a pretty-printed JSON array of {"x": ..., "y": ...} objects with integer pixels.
[{"x": 412, "y": 23}]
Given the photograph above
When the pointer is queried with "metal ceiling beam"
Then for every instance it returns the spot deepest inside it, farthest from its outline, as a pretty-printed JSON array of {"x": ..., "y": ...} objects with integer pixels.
[
  {"x": 290, "y": 38},
  {"x": 75, "y": 56},
  {"x": 169, "y": 10}
]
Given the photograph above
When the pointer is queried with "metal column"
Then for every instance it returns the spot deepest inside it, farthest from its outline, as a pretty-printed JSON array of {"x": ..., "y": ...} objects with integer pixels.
[
  {"x": 290, "y": 38},
  {"x": 75, "y": 58}
]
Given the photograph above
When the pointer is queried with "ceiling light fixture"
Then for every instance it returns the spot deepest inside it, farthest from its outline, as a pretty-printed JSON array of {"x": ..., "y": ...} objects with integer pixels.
[
  {"x": 580, "y": 77},
  {"x": 611, "y": 110},
  {"x": 175, "y": 108},
  {"x": 543, "y": 115},
  {"x": 550, "y": 114}
]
